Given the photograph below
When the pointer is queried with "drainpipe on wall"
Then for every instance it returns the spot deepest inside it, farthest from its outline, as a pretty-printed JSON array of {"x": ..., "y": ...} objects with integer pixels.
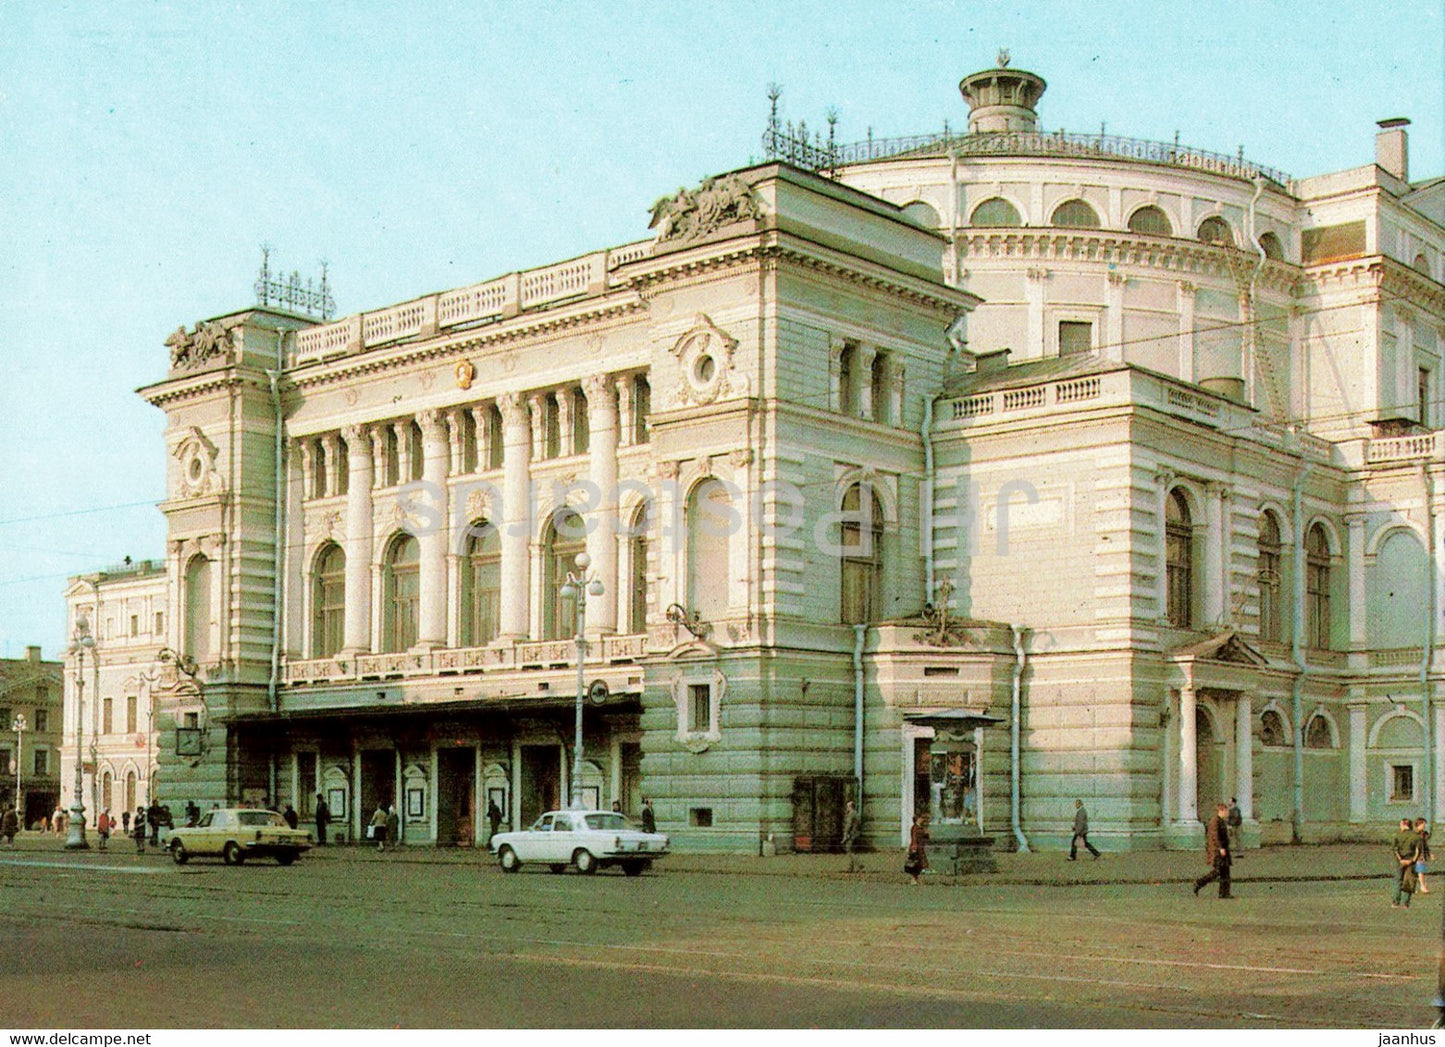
[
  {"x": 279, "y": 547},
  {"x": 1428, "y": 656},
  {"x": 1297, "y": 644},
  {"x": 926, "y": 531},
  {"x": 859, "y": 631},
  {"x": 1015, "y": 814}
]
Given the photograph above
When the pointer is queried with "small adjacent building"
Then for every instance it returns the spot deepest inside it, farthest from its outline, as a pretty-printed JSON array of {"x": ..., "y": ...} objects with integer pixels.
[{"x": 30, "y": 734}]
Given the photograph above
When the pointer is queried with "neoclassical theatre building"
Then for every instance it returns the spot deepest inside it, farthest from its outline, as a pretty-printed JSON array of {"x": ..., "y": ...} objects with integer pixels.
[{"x": 971, "y": 473}]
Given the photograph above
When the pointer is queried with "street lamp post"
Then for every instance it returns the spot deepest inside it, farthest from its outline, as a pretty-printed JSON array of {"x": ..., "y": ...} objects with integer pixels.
[
  {"x": 75, "y": 838},
  {"x": 19, "y": 727},
  {"x": 579, "y": 584}
]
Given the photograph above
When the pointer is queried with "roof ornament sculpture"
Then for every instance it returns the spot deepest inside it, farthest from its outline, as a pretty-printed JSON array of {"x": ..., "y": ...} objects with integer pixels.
[
  {"x": 1003, "y": 57},
  {"x": 692, "y": 214},
  {"x": 191, "y": 350}
]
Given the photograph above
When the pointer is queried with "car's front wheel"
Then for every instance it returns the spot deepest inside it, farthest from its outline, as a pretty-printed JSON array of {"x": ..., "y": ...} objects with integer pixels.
[
  {"x": 178, "y": 853},
  {"x": 508, "y": 858},
  {"x": 585, "y": 862},
  {"x": 232, "y": 854}
]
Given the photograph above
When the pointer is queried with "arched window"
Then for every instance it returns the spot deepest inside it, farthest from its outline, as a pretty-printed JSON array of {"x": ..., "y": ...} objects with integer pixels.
[
  {"x": 1215, "y": 230},
  {"x": 402, "y": 589},
  {"x": 130, "y": 791},
  {"x": 922, "y": 213},
  {"x": 107, "y": 784},
  {"x": 566, "y": 537},
  {"x": 1271, "y": 729},
  {"x": 1272, "y": 247},
  {"x": 1179, "y": 561},
  {"x": 1151, "y": 221},
  {"x": 637, "y": 569},
  {"x": 481, "y": 585},
  {"x": 1317, "y": 733},
  {"x": 198, "y": 609},
  {"x": 861, "y": 548},
  {"x": 1317, "y": 588},
  {"x": 328, "y": 602},
  {"x": 710, "y": 517},
  {"x": 998, "y": 212},
  {"x": 1076, "y": 214},
  {"x": 1271, "y": 624}
]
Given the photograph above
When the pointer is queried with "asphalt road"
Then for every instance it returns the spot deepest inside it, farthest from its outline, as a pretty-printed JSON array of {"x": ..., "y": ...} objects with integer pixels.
[{"x": 120, "y": 942}]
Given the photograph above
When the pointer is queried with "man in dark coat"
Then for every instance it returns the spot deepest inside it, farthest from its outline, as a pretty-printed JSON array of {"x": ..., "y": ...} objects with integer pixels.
[
  {"x": 1407, "y": 852},
  {"x": 649, "y": 820},
  {"x": 292, "y": 818},
  {"x": 323, "y": 819},
  {"x": 1216, "y": 852},
  {"x": 494, "y": 817},
  {"x": 1081, "y": 832}
]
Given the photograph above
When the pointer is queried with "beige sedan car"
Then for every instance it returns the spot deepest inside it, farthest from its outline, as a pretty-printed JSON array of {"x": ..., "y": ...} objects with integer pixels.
[{"x": 237, "y": 833}]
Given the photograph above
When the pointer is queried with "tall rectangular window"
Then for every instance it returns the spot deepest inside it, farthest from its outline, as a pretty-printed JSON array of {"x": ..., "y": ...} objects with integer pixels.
[
  {"x": 1422, "y": 396},
  {"x": 699, "y": 708},
  {"x": 641, "y": 410},
  {"x": 42, "y": 719},
  {"x": 107, "y": 716},
  {"x": 130, "y": 714},
  {"x": 135, "y": 625},
  {"x": 1075, "y": 337},
  {"x": 42, "y": 761}
]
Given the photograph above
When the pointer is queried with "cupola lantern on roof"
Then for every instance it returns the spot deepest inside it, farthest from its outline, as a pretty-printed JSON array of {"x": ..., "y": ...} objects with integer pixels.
[{"x": 1002, "y": 99}]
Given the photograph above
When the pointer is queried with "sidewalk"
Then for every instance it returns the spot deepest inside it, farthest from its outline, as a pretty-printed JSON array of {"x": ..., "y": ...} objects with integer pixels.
[{"x": 1322, "y": 862}]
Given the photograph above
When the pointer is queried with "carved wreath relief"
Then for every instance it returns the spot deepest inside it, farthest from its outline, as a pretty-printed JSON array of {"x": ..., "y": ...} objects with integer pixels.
[
  {"x": 198, "y": 476},
  {"x": 705, "y": 360}
]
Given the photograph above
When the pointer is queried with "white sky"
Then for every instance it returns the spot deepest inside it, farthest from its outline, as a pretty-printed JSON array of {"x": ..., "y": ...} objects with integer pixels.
[{"x": 146, "y": 150}]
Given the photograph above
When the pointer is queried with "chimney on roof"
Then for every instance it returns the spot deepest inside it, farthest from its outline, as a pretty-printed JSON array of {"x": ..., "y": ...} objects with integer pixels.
[
  {"x": 32, "y": 654},
  {"x": 1392, "y": 147}
]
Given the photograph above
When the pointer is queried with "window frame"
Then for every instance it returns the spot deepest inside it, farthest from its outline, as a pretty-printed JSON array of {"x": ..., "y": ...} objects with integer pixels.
[
  {"x": 1179, "y": 571},
  {"x": 401, "y": 618},
  {"x": 328, "y": 602},
  {"x": 1270, "y": 558}
]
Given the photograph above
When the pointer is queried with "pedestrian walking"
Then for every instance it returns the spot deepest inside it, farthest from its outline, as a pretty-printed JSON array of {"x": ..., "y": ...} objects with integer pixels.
[
  {"x": 125, "y": 823},
  {"x": 649, "y": 820},
  {"x": 57, "y": 822},
  {"x": 1423, "y": 831},
  {"x": 9, "y": 825},
  {"x": 103, "y": 826},
  {"x": 1406, "y": 846},
  {"x": 323, "y": 819},
  {"x": 153, "y": 819},
  {"x": 290, "y": 815},
  {"x": 852, "y": 824},
  {"x": 393, "y": 826},
  {"x": 1216, "y": 852},
  {"x": 494, "y": 817},
  {"x": 1081, "y": 832},
  {"x": 917, "y": 858},
  {"x": 378, "y": 827},
  {"x": 138, "y": 830}
]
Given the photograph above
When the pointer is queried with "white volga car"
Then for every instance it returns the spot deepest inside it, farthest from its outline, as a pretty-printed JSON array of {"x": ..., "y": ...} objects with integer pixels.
[{"x": 590, "y": 840}]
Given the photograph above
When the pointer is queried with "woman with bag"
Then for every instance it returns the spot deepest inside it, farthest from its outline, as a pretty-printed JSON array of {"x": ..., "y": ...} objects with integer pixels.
[
  {"x": 377, "y": 829},
  {"x": 917, "y": 859}
]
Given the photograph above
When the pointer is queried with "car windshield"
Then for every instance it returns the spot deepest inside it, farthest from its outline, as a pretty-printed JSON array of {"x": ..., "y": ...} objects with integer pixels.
[
  {"x": 261, "y": 818},
  {"x": 608, "y": 822}
]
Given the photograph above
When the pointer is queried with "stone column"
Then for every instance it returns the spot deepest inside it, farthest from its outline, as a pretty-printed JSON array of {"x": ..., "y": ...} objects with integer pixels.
[
  {"x": 1355, "y": 559},
  {"x": 897, "y": 379},
  {"x": 626, "y": 422},
  {"x": 518, "y": 438},
  {"x": 836, "y": 346},
  {"x": 565, "y": 406},
  {"x": 481, "y": 424},
  {"x": 357, "y": 624},
  {"x": 1187, "y": 292},
  {"x": 308, "y": 468},
  {"x": 1359, "y": 766},
  {"x": 863, "y": 358},
  {"x": 402, "y": 432},
  {"x": 602, "y": 473},
  {"x": 432, "y": 539},
  {"x": 1188, "y": 757},
  {"x": 1113, "y": 340},
  {"x": 1244, "y": 754},
  {"x": 1213, "y": 560},
  {"x": 332, "y": 442},
  {"x": 1034, "y": 299}
]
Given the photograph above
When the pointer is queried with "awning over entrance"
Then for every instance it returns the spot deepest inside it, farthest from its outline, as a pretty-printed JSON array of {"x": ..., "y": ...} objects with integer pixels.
[{"x": 952, "y": 719}]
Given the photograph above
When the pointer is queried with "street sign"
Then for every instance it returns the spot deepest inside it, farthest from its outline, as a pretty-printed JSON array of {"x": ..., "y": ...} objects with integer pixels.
[{"x": 597, "y": 693}]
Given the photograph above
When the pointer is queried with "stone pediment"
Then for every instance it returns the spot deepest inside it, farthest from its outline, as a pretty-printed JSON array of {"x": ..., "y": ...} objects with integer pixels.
[{"x": 1227, "y": 647}]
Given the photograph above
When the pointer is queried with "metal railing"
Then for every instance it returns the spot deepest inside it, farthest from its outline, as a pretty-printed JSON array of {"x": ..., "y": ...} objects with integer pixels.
[{"x": 825, "y": 156}]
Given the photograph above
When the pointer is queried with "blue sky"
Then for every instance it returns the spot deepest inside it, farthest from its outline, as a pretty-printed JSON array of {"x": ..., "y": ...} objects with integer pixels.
[{"x": 148, "y": 149}]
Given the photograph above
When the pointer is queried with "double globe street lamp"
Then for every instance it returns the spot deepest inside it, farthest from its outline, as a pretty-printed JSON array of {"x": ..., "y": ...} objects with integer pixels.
[
  {"x": 20, "y": 726},
  {"x": 75, "y": 838},
  {"x": 578, "y": 586}
]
